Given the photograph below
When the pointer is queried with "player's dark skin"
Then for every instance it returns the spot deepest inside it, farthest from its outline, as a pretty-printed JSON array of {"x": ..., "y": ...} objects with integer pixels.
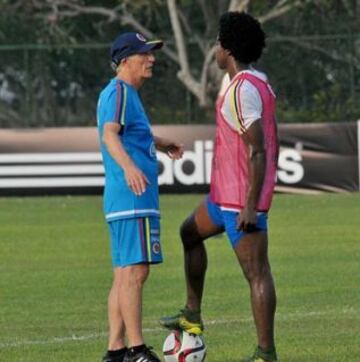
[{"x": 251, "y": 250}]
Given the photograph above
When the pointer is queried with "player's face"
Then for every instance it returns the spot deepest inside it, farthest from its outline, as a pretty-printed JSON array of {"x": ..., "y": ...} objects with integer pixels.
[
  {"x": 142, "y": 64},
  {"x": 221, "y": 56}
]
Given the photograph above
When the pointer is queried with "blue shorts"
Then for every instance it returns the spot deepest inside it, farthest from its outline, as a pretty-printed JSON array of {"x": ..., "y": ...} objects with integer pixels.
[
  {"x": 135, "y": 241},
  {"x": 226, "y": 218}
]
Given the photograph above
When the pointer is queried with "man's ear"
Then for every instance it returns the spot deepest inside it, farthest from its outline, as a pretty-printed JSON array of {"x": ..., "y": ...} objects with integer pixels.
[{"x": 114, "y": 66}]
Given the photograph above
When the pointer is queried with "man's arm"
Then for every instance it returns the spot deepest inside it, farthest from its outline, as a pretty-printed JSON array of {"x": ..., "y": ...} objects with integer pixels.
[
  {"x": 136, "y": 180},
  {"x": 254, "y": 137},
  {"x": 174, "y": 150}
]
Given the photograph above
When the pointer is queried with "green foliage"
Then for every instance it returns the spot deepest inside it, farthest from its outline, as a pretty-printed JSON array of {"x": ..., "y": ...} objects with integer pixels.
[
  {"x": 330, "y": 105},
  {"x": 312, "y": 60},
  {"x": 334, "y": 104}
]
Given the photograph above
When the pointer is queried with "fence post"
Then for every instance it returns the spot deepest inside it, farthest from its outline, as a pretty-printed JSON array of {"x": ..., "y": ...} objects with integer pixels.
[
  {"x": 358, "y": 132},
  {"x": 351, "y": 69},
  {"x": 28, "y": 116},
  {"x": 188, "y": 106}
]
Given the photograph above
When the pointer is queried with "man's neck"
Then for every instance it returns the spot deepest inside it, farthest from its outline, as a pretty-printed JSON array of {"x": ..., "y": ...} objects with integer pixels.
[
  {"x": 130, "y": 79},
  {"x": 234, "y": 68}
]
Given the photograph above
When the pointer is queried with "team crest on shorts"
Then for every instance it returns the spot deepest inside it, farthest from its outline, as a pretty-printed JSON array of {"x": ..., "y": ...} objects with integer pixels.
[
  {"x": 140, "y": 37},
  {"x": 156, "y": 247}
]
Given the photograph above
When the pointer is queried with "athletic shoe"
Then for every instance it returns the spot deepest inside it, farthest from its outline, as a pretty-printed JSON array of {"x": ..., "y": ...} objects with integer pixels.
[
  {"x": 261, "y": 356},
  {"x": 186, "y": 320},
  {"x": 108, "y": 358},
  {"x": 146, "y": 355}
]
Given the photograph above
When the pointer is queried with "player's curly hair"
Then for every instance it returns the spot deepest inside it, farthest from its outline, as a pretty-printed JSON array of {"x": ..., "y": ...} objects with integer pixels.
[{"x": 242, "y": 35}]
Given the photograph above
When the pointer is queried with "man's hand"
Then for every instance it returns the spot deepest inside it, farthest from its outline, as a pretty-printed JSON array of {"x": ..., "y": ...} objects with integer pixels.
[
  {"x": 173, "y": 149},
  {"x": 246, "y": 221},
  {"x": 135, "y": 179},
  {"x": 254, "y": 138}
]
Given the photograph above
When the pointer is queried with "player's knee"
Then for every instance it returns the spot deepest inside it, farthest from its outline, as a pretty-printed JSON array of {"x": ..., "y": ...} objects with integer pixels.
[
  {"x": 143, "y": 274},
  {"x": 254, "y": 269},
  {"x": 189, "y": 234},
  {"x": 137, "y": 274}
]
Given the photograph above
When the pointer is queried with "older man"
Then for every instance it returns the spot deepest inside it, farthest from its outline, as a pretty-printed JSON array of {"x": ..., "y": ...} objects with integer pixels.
[{"x": 131, "y": 202}]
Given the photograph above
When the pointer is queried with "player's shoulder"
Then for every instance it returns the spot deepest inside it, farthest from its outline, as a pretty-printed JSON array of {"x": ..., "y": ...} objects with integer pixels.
[
  {"x": 263, "y": 77},
  {"x": 108, "y": 90},
  {"x": 246, "y": 85},
  {"x": 255, "y": 73},
  {"x": 114, "y": 89},
  {"x": 258, "y": 74}
]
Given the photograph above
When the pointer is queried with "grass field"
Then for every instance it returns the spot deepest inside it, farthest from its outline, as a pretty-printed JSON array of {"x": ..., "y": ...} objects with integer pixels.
[{"x": 55, "y": 275}]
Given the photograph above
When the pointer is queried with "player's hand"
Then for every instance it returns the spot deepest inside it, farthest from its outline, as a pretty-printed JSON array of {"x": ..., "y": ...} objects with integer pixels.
[
  {"x": 174, "y": 150},
  {"x": 135, "y": 179},
  {"x": 247, "y": 220}
]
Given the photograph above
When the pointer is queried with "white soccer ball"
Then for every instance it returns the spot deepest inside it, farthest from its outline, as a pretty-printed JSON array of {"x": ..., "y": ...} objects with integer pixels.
[{"x": 180, "y": 346}]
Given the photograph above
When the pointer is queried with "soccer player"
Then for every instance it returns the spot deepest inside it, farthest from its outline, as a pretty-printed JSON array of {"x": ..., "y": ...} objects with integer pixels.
[
  {"x": 131, "y": 202},
  {"x": 242, "y": 183}
]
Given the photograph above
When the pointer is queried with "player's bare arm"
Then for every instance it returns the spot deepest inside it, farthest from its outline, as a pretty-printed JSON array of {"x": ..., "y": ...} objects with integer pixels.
[
  {"x": 173, "y": 149},
  {"x": 254, "y": 137},
  {"x": 136, "y": 180}
]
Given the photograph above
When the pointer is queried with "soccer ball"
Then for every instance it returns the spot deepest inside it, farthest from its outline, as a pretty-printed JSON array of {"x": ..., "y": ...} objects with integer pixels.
[{"x": 180, "y": 346}]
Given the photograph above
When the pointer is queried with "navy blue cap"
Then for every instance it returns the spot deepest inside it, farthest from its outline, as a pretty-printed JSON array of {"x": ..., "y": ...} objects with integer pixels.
[{"x": 132, "y": 43}]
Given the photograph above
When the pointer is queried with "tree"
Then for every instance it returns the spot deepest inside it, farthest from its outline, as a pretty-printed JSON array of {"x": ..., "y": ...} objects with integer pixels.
[
  {"x": 200, "y": 77},
  {"x": 313, "y": 57}
]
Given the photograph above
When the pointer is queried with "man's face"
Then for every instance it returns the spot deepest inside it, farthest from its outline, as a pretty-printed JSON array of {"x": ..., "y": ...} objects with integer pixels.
[
  {"x": 141, "y": 64},
  {"x": 221, "y": 55}
]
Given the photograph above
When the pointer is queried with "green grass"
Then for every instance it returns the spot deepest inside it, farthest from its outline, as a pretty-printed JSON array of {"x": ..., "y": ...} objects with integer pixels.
[{"x": 55, "y": 275}]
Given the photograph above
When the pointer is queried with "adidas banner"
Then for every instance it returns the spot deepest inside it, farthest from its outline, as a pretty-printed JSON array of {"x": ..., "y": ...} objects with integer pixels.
[{"x": 313, "y": 158}]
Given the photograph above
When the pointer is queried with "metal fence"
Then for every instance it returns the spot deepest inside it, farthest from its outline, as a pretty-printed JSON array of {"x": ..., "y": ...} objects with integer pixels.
[{"x": 316, "y": 79}]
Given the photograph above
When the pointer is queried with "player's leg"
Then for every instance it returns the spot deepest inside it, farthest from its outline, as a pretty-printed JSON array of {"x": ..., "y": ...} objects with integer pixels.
[
  {"x": 252, "y": 253},
  {"x": 131, "y": 291},
  {"x": 116, "y": 323},
  {"x": 135, "y": 245},
  {"x": 133, "y": 278},
  {"x": 195, "y": 229},
  {"x": 200, "y": 225},
  {"x": 116, "y": 343},
  {"x": 125, "y": 295},
  {"x": 251, "y": 249}
]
